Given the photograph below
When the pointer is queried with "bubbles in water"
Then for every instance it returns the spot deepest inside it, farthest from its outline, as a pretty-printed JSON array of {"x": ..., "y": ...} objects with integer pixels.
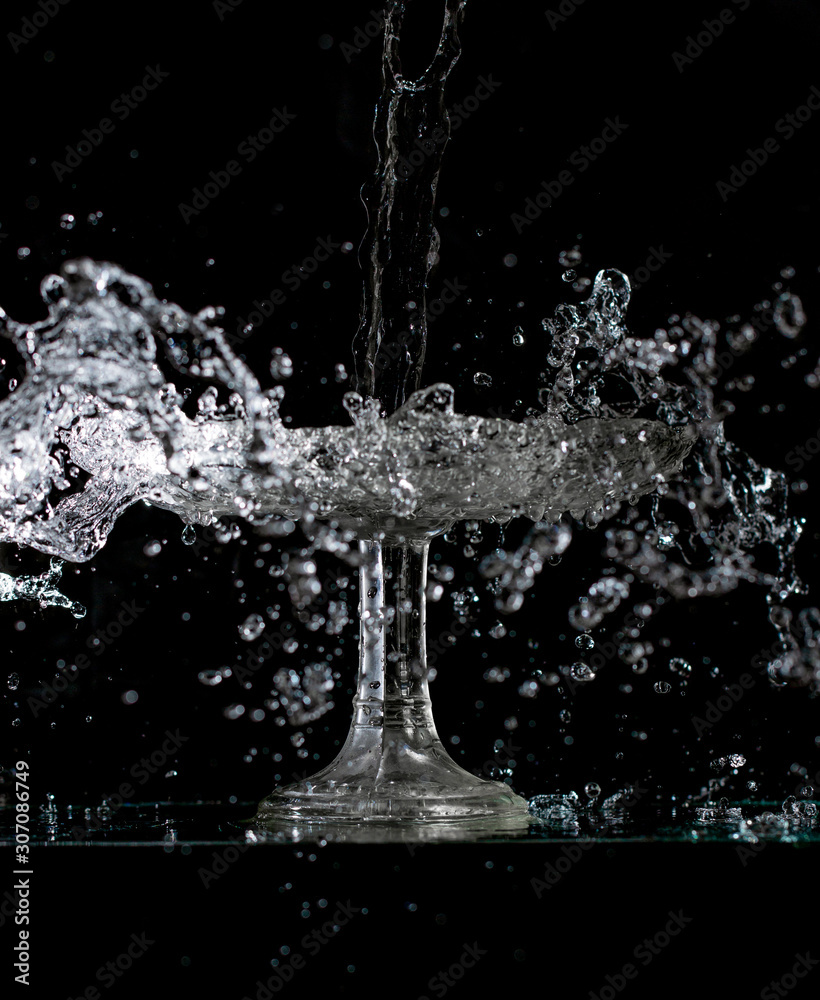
[
  {"x": 252, "y": 627},
  {"x": 807, "y": 812},
  {"x": 515, "y": 572},
  {"x": 789, "y": 317},
  {"x": 463, "y": 600},
  {"x": 213, "y": 677},
  {"x": 482, "y": 378},
  {"x": 631, "y": 652},
  {"x": 570, "y": 258},
  {"x": 662, "y": 687},
  {"x": 281, "y": 366},
  {"x": 442, "y": 572},
  {"x": 779, "y": 616},
  {"x": 603, "y": 598},
  {"x": 585, "y": 642},
  {"x": 306, "y": 696},
  {"x": 680, "y": 667},
  {"x": 731, "y": 760}
]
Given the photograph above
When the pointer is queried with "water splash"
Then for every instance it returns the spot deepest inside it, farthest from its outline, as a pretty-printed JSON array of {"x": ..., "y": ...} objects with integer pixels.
[
  {"x": 93, "y": 397},
  {"x": 40, "y": 588},
  {"x": 94, "y": 426},
  {"x": 703, "y": 532},
  {"x": 411, "y": 130}
]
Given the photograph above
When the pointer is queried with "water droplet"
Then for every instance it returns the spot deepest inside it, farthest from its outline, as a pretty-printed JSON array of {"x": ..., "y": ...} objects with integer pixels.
[
  {"x": 592, "y": 789},
  {"x": 188, "y": 534},
  {"x": 581, "y": 672},
  {"x": 585, "y": 642}
]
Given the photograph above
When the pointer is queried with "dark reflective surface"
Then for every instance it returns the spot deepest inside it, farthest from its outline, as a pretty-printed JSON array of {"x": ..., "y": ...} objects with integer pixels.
[{"x": 177, "y": 826}]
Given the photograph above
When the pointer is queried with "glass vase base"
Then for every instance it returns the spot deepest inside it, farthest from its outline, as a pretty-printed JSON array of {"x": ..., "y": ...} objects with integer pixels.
[
  {"x": 277, "y": 829},
  {"x": 325, "y": 799}
]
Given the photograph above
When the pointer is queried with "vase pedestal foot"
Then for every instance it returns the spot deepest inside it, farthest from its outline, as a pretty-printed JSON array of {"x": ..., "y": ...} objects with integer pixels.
[
  {"x": 406, "y": 777},
  {"x": 393, "y": 768}
]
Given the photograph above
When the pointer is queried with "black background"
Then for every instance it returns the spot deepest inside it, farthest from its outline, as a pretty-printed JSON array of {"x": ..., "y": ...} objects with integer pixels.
[{"x": 654, "y": 187}]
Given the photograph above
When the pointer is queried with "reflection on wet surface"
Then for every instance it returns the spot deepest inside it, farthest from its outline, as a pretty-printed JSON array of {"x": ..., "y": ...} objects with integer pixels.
[{"x": 180, "y": 825}]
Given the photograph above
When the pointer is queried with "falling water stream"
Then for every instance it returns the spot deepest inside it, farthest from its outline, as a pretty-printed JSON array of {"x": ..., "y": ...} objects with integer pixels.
[{"x": 94, "y": 426}]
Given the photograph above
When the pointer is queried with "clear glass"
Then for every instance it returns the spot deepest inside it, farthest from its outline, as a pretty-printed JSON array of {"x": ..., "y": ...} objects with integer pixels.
[{"x": 393, "y": 766}]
